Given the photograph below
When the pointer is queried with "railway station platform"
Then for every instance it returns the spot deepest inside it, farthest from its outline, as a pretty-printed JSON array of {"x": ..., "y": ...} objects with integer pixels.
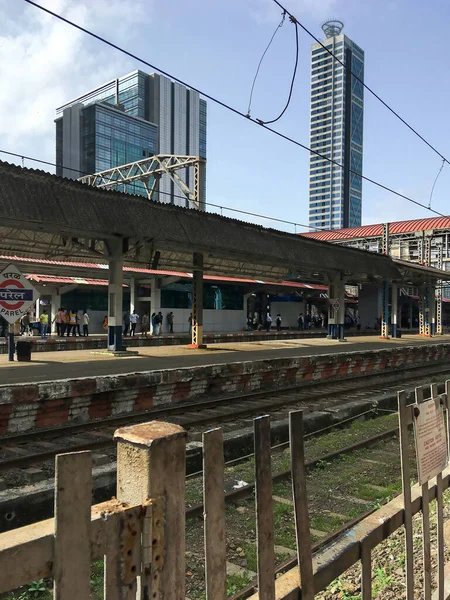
[
  {"x": 71, "y": 364},
  {"x": 59, "y": 388}
]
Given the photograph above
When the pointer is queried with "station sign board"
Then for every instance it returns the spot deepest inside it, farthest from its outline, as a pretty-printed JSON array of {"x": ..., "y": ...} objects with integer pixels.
[
  {"x": 431, "y": 439},
  {"x": 17, "y": 294}
]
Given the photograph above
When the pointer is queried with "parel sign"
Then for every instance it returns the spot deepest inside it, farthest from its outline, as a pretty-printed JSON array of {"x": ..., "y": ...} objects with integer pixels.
[
  {"x": 16, "y": 294},
  {"x": 431, "y": 439}
]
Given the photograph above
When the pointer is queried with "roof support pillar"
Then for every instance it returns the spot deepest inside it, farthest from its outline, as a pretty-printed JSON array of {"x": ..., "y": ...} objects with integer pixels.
[
  {"x": 385, "y": 312},
  {"x": 197, "y": 302},
  {"x": 115, "y": 296},
  {"x": 394, "y": 310},
  {"x": 440, "y": 283},
  {"x": 336, "y": 309},
  {"x": 424, "y": 310}
]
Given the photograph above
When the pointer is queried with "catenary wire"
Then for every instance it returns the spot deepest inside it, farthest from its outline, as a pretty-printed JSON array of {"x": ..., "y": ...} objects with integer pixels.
[
  {"x": 261, "y": 60},
  {"x": 294, "y": 74},
  {"x": 369, "y": 89},
  {"x": 230, "y": 108},
  {"x": 435, "y": 181}
]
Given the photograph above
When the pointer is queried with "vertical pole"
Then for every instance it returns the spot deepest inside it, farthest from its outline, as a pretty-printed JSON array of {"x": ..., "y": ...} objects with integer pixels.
[
  {"x": 404, "y": 413},
  {"x": 132, "y": 295},
  {"x": 385, "y": 312},
  {"x": 115, "y": 300},
  {"x": 214, "y": 515},
  {"x": 37, "y": 308},
  {"x": 439, "y": 294},
  {"x": 302, "y": 528},
  {"x": 56, "y": 303},
  {"x": 331, "y": 313},
  {"x": 199, "y": 184},
  {"x": 394, "y": 310},
  {"x": 341, "y": 311},
  {"x": 11, "y": 342},
  {"x": 432, "y": 296},
  {"x": 410, "y": 313},
  {"x": 426, "y": 311},
  {"x": 151, "y": 463},
  {"x": 197, "y": 302}
]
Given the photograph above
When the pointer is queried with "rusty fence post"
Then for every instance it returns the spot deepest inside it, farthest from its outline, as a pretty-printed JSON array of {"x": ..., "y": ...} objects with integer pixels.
[{"x": 151, "y": 464}]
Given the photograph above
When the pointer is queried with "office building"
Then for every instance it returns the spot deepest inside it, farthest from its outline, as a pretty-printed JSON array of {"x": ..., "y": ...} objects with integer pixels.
[
  {"x": 337, "y": 109},
  {"x": 129, "y": 119}
]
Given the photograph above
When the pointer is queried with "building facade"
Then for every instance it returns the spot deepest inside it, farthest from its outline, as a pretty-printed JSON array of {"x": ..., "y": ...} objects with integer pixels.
[
  {"x": 129, "y": 119},
  {"x": 336, "y": 131}
]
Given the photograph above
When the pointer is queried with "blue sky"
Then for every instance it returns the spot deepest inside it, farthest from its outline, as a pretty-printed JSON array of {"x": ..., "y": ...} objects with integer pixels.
[{"x": 216, "y": 46}]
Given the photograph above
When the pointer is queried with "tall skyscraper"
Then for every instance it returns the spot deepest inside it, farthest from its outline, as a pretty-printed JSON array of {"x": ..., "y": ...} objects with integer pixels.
[
  {"x": 337, "y": 109},
  {"x": 129, "y": 119}
]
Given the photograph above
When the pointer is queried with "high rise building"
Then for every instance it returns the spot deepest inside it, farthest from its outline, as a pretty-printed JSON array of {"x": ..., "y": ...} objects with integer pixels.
[
  {"x": 337, "y": 109},
  {"x": 129, "y": 119}
]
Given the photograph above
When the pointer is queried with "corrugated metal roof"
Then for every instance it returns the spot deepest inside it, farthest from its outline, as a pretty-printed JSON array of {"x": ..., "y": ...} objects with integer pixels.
[{"x": 367, "y": 231}]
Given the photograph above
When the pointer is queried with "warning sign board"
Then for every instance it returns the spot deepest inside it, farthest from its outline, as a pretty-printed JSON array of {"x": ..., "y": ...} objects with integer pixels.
[
  {"x": 17, "y": 294},
  {"x": 336, "y": 304},
  {"x": 431, "y": 440}
]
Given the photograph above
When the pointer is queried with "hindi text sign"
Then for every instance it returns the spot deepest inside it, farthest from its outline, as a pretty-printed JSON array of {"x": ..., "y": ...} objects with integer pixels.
[
  {"x": 17, "y": 294},
  {"x": 431, "y": 439}
]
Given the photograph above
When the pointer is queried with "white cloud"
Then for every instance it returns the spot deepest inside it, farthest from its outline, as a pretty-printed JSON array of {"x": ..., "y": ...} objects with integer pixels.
[{"x": 46, "y": 63}]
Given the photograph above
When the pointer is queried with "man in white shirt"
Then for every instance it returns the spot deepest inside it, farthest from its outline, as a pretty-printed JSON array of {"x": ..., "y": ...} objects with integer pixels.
[{"x": 133, "y": 321}]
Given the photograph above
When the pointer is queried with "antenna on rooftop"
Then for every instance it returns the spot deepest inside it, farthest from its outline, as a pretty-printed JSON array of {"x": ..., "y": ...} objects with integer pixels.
[{"x": 332, "y": 28}]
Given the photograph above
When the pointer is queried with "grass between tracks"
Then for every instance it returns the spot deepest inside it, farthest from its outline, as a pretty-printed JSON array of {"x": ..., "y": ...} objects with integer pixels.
[{"x": 338, "y": 491}]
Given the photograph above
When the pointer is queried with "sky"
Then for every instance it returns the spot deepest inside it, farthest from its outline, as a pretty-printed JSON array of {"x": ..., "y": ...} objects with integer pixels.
[{"x": 215, "y": 46}]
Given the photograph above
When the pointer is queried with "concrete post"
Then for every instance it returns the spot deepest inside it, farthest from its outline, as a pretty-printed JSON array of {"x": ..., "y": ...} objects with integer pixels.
[
  {"x": 151, "y": 464},
  {"x": 37, "y": 308},
  {"x": 155, "y": 297},
  {"x": 394, "y": 310},
  {"x": 341, "y": 311},
  {"x": 197, "y": 302},
  {"x": 115, "y": 298},
  {"x": 432, "y": 292},
  {"x": 336, "y": 310}
]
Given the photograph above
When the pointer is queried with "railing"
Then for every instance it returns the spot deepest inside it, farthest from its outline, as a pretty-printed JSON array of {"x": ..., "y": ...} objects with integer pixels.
[{"x": 141, "y": 534}]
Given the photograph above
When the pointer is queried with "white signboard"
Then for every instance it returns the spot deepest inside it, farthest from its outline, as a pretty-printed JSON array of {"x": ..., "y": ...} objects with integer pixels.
[
  {"x": 16, "y": 294},
  {"x": 431, "y": 439}
]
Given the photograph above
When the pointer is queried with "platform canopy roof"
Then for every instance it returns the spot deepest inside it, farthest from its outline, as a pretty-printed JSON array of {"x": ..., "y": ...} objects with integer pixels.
[{"x": 48, "y": 217}]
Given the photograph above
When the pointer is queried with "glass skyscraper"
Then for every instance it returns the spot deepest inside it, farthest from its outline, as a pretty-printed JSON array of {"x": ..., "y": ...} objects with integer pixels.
[
  {"x": 337, "y": 109},
  {"x": 129, "y": 119}
]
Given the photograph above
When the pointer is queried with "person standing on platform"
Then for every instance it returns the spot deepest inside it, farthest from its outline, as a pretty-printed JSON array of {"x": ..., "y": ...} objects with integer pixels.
[
  {"x": 26, "y": 323},
  {"x": 60, "y": 322},
  {"x": 126, "y": 323},
  {"x": 170, "y": 322},
  {"x": 133, "y": 322},
  {"x": 72, "y": 323},
  {"x": 153, "y": 324},
  {"x": 44, "y": 324},
  {"x": 300, "y": 321},
  {"x": 77, "y": 324},
  {"x": 278, "y": 322},
  {"x": 268, "y": 322},
  {"x": 159, "y": 320},
  {"x": 85, "y": 324},
  {"x": 105, "y": 323}
]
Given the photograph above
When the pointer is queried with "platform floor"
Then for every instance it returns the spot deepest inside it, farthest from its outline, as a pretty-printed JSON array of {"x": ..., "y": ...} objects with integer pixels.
[{"x": 50, "y": 366}]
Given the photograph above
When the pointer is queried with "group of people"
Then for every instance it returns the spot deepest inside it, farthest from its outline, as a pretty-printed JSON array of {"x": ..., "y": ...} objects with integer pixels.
[
  {"x": 68, "y": 322},
  {"x": 149, "y": 324}
]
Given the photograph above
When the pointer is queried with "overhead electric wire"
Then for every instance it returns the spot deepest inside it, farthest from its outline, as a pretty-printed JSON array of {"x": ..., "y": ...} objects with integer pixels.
[
  {"x": 232, "y": 109},
  {"x": 435, "y": 181},
  {"x": 369, "y": 89},
  {"x": 292, "y": 80},
  {"x": 279, "y": 26}
]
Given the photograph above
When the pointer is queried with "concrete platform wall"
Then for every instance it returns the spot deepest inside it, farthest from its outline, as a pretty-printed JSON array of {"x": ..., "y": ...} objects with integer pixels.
[{"x": 28, "y": 406}]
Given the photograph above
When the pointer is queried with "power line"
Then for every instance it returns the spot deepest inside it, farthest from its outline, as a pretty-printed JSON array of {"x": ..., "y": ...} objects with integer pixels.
[
  {"x": 279, "y": 26},
  {"x": 230, "y": 108},
  {"x": 369, "y": 89},
  {"x": 435, "y": 181},
  {"x": 297, "y": 51}
]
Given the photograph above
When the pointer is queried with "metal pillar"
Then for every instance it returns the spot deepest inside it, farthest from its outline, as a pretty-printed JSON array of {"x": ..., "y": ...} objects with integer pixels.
[
  {"x": 199, "y": 181},
  {"x": 11, "y": 344},
  {"x": 336, "y": 311},
  {"x": 432, "y": 319},
  {"x": 197, "y": 302},
  {"x": 440, "y": 265},
  {"x": 385, "y": 240},
  {"x": 424, "y": 311},
  {"x": 394, "y": 310},
  {"x": 115, "y": 298},
  {"x": 385, "y": 312},
  {"x": 332, "y": 334}
]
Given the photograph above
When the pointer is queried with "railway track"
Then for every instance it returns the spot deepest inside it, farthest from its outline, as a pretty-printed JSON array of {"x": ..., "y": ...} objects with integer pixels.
[{"x": 40, "y": 446}]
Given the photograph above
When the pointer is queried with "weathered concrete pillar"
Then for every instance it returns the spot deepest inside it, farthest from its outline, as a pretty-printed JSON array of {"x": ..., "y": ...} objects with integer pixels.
[
  {"x": 132, "y": 295},
  {"x": 151, "y": 464},
  {"x": 197, "y": 302},
  {"x": 115, "y": 296},
  {"x": 56, "y": 303}
]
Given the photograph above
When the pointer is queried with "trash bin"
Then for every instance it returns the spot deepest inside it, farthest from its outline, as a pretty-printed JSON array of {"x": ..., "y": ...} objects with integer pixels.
[{"x": 23, "y": 350}]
